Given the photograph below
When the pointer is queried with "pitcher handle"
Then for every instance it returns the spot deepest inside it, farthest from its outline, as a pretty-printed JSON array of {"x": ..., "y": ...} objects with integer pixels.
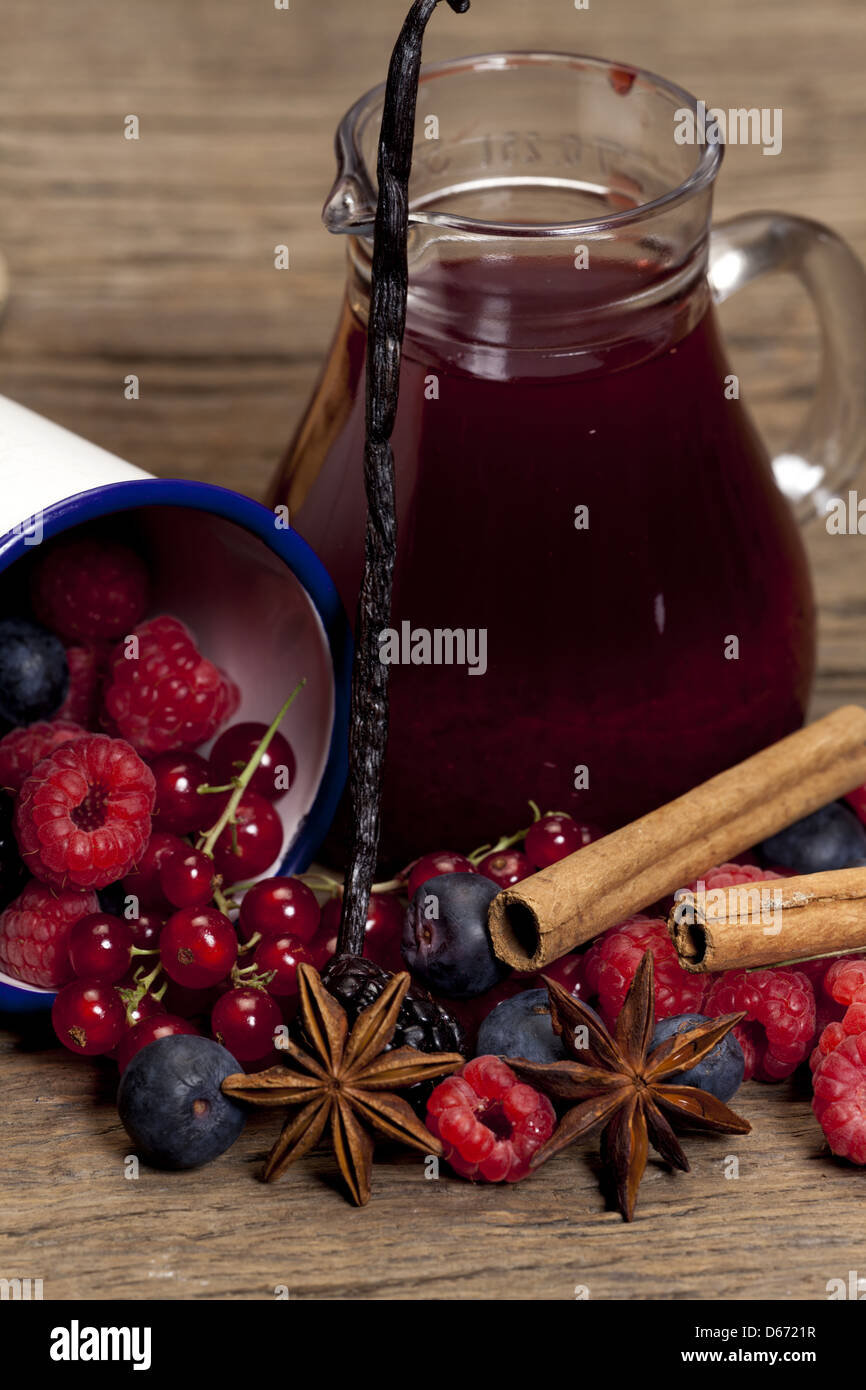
[{"x": 830, "y": 446}]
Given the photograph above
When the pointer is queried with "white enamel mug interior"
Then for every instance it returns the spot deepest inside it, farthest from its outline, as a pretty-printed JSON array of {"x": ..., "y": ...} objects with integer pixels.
[{"x": 259, "y": 602}]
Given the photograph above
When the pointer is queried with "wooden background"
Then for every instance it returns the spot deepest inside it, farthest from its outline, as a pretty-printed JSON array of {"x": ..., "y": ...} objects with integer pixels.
[{"x": 155, "y": 257}]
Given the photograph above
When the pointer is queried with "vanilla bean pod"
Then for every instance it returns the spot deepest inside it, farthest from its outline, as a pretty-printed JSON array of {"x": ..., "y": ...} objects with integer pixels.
[{"x": 368, "y": 734}]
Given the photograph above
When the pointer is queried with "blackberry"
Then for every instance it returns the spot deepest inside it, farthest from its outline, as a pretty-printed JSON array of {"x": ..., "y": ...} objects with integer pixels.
[{"x": 422, "y": 1023}]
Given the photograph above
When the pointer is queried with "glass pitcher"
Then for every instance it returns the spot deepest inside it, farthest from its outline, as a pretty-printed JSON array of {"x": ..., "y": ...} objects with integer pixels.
[{"x": 601, "y": 595}]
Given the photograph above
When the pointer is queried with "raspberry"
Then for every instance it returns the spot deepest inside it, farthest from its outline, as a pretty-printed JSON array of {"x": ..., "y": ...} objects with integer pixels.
[
  {"x": 611, "y": 962},
  {"x": 855, "y": 1018},
  {"x": 143, "y": 882},
  {"x": 86, "y": 669},
  {"x": 852, "y": 1022},
  {"x": 845, "y": 980},
  {"x": 830, "y": 1038},
  {"x": 729, "y": 875},
  {"x": 780, "y": 1017},
  {"x": 22, "y": 749},
  {"x": 814, "y": 970},
  {"x": 490, "y": 1122},
  {"x": 83, "y": 814},
  {"x": 34, "y": 933},
  {"x": 83, "y": 587},
  {"x": 839, "y": 1101},
  {"x": 827, "y": 1009},
  {"x": 166, "y": 697}
]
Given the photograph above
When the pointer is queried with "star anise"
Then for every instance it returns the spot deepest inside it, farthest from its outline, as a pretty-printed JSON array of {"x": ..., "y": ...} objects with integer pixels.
[
  {"x": 348, "y": 1078},
  {"x": 618, "y": 1083}
]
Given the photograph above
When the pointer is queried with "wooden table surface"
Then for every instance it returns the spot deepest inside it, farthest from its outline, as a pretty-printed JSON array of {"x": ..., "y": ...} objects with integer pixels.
[{"x": 155, "y": 257}]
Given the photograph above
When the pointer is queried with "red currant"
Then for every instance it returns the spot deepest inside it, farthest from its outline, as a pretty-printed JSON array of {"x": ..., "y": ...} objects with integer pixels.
[
  {"x": 143, "y": 883},
  {"x": 283, "y": 955},
  {"x": 382, "y": 932},
  {"x": 251, "y": 845},
  {"x": 567, "y": 971},
  {"x": 88, "y": 1017},
  {"x": 245, "y": 1021},
  {"x": 146, "y": 1007},
  {"x": 180, "y": 807},
  {"x": 324, "y": 943},
  {"x": 233, "y": 749},
  {"x": 198, "y": 947},
  {"x": 100, "y": 948},
  {"x": 191, "y": 1003},
  {"x": 472, "y": 1012},
  {"x": 146, "y": 928},
  {"x": 555, "y": 836},
  {"x": 505, "y": 866},
  {"x": 431, "y": 865},
  {"x": 147, "y": 1031},
  {"x": 280, "y": 906},
  {"x": 187, "y": 879}
]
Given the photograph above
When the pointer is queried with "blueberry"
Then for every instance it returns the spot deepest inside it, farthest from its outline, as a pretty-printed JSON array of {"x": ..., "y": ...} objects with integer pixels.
[
  {"x": 446, "y": 943},
  {"x": 171, "y": 1104},
  {"x": 34, "y": 676},
  {"x": 720, "y": 1072},
  {"x": 13, "y": 875},
  {"x": 521, "y": 1027},
  {"x": 830, "y": 838},
  {"x": 112, "y": 899}
]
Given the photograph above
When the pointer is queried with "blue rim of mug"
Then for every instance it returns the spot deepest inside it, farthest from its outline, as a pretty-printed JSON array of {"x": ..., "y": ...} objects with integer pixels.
[
  {"x": 308, "y": 570},
  {"x": 701, "y": 177}
]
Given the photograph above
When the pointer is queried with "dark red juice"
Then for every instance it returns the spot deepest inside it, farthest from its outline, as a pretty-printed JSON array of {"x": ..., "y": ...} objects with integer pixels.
[{"x": 576, "y": 478}]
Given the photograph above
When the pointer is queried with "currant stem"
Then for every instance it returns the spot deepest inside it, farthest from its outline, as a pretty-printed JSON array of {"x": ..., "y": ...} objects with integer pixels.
[
  {"x": 506, "y": 841},
  {"x": 326, "y": 882},
  {"x": 132, "y": 996},
  {"x": 391, "y": 885},
  {"x": 237, "y": 888},
  {"x": 222, "y": 902},
  {"x": 206, "y": 842},
  {"x": 798, "y": 960},
  {"x": 333, "y": 884},
  {"x": 149, "y": 979},
  {"x": 246, "y": 977}
]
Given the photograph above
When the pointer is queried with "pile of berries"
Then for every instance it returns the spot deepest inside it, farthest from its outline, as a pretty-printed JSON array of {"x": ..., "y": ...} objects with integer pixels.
[
  {"x": 789, "y": 1009},
  {"x": 131, "y": 884},
  {"x": 121, "y": 845}
]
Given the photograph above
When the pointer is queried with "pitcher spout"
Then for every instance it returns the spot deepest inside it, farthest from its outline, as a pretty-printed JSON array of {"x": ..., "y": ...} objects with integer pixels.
[{"x": 348, "y": 208}]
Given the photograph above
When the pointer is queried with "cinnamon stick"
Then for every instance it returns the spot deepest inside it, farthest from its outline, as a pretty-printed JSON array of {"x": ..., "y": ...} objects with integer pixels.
[
  {"x": 784, "y": 919},
  {"x": 567, "y": 904}
]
